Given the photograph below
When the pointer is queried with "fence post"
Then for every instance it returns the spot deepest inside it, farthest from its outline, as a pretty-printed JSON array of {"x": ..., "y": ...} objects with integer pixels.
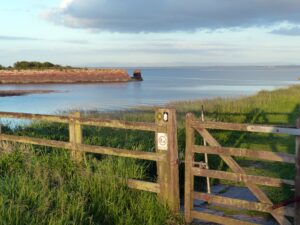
[
  {"x": 75, "y": 136},
  {"x": 188, "y": 176},
  {"x": 297, "y": 180},
  {"x": 166, "y": 143}
]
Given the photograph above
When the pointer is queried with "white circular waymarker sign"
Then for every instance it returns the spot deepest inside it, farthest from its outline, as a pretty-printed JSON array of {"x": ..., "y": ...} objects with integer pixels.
[{"x": 162, "y": 141}]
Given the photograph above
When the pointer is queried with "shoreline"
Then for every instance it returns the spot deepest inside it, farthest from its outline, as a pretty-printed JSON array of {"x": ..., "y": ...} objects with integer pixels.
[
  {"x": 12, "y": 93},
  {"x": 214, "y": 105}
]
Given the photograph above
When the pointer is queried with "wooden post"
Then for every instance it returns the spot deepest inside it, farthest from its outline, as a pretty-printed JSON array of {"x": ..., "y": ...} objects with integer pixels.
[
  {"x": 166, "y": 143},
  {"x": 297, "y": 180},
  {"x": 188, "y": 178},
  {"x": 75, "y": 136}
]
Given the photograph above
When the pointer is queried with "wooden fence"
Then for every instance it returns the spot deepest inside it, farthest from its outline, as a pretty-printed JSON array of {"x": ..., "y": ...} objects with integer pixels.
[
  {"x": 166, "y": 155},
  {"x": 238, "y": 174}
]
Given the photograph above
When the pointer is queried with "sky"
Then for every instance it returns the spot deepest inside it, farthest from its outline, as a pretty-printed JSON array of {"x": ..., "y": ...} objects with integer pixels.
[{"x": 144, "y": 33}]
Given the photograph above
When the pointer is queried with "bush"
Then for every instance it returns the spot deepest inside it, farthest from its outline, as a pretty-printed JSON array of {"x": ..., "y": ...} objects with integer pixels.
[{"x": 23, "y": 65}]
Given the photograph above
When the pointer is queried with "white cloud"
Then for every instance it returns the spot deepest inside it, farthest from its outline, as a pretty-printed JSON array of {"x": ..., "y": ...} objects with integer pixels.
[{"x": 65, "y": 4}]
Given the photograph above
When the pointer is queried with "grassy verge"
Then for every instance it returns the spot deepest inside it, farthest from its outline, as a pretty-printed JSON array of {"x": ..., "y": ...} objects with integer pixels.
[
  {"x": 267, "y": 107},
  {"x": 42, "y": 188}
]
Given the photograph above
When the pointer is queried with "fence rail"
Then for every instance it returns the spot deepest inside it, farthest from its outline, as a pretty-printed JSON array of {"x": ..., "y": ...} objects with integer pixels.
[
  {"x": 167, "y": 186},
  {"x": 83, "y": 121}
]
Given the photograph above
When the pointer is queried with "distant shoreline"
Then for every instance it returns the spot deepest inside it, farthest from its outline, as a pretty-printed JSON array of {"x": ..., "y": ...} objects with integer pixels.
[{"x": 63, "y": 76}]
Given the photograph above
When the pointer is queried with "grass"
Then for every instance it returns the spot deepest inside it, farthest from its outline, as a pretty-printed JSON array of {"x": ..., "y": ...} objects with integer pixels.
[
  {"x": 267, "y": 107},
  {"x": 42, "y": 188}
]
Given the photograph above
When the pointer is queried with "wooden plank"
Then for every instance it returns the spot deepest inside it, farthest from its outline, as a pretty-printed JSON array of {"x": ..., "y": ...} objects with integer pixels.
[
  {"x": 285, "y": 211},
  {"x": 245, "y": 127},
  {"x": 35, "y": 141},
  {"x": 83, "y": 121},
  {"x": 297, "y": 178},
  {"x": 122, "y": 152},
  {"x": 218, "y": 219},
  {"x": 173, "y": 162},
  {"x": 259, "y": 194},
  {"x": 85, "y": 148},
  {"x": 243, "y": 204},
  {"x": 189, "y": 178},
  {"x": 143, "y": 185},
  {"x": 251, "y": 153},
  {"x": 118, "y": 124},
  {"x": 168, "y": 171},
  {"x": 162, "y": 166},
  {"x": 50, "y": 118},
  {"x": 75, "y": 136},
  {"x": 238, "y": 203},
  {"x": 243, "y": 178}
]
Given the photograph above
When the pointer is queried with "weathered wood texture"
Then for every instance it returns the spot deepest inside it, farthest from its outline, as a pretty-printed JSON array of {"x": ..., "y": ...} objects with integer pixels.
[
  {"x": 118, "y": 124},
  {"x": 143, "y": 185},
  {"x": 85, "y": 148},
  {"x": 188, "y": 176},
  {"x": 237, "y": 174},
  {"x": 75, "y": 136},
  {"x": 83, "y": 121},
  {"x": 173, "y": 161},
  {"x": 243, "y": 204},
  {"x": 242, "y": 178},
  {"x": 167, "y": 161},
  {"x": 49, "y": 118},
  {"x": 168, "y": 174},
  {"x": 218, "y": 219},
  {"x": 241, "y": 152},
  {"x": 245, "y": 127}
]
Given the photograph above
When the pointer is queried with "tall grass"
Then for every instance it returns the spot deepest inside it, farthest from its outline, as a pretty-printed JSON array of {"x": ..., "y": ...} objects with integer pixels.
[{"x": 41, "y": 188}]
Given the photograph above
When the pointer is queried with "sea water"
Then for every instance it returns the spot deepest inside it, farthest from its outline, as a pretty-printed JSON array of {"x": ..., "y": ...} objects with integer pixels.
[{"x": 160, "y": 85}]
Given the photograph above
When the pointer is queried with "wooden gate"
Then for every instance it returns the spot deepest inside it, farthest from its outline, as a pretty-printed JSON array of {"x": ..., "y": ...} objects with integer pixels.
[{"x": 238, "y": 174}]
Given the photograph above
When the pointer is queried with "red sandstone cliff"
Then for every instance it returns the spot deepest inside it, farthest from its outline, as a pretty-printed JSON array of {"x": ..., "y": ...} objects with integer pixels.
[{"x": 63, "y": 76}]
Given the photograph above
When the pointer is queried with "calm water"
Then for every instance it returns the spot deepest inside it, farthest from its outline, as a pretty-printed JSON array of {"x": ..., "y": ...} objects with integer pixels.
[{"x": 159, "y": 86}]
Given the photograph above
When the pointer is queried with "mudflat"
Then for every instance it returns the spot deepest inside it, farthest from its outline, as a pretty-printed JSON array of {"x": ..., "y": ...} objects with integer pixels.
[{"x": 7, "y": 93}]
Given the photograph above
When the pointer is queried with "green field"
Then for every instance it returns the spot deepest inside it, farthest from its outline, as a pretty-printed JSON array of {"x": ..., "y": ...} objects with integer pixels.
[{"x": 43, "y": 186}]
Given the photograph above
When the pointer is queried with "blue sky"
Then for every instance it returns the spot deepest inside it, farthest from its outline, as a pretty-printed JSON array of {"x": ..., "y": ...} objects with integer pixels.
[{"x": 151, "y": 33}]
